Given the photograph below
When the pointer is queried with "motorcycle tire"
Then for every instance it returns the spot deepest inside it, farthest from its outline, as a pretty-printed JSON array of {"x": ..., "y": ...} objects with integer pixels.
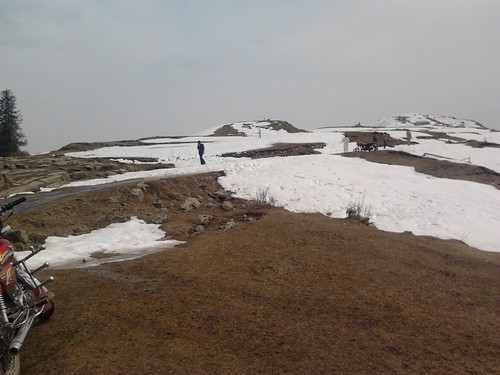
[
  {"x": 13, "y": 365},
  {"x": 356, "y": 149}
]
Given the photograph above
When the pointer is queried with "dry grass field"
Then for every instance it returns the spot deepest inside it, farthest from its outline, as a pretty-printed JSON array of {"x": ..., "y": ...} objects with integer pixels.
[{"x": 280, "y": 293}]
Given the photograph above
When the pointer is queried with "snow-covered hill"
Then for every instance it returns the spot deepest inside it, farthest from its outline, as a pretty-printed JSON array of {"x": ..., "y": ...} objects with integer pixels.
[
  {"x": 411, "y": 120},
  {"x": 400, "y": 198},
  {"x": 250, "y": 128},
  {"x": 424, "y": 120}
]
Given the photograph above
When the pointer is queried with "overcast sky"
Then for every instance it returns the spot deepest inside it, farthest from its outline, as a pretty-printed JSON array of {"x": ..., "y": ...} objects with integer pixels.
[{"x": 98, "y": 70}]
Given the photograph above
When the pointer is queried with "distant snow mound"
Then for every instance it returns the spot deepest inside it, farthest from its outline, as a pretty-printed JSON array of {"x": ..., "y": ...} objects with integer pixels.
[
  {"x": 251, "y": 128},
  {"x": 418, "y": 119}
]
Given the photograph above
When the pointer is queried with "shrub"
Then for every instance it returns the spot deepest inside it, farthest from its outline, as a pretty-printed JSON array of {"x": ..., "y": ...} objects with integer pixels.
[
  {"x": 359, "y": 212},
  {"x": 264, "y": 198}
]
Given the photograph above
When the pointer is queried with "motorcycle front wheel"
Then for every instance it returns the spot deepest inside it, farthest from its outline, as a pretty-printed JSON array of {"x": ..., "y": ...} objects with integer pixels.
[{"x": 10, "y": 364}]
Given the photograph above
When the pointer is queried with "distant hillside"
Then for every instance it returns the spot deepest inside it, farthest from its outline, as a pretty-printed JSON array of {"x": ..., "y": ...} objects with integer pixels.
[
  {"x": 419, "y": 119},
  {"x": 251, "y": 128}
]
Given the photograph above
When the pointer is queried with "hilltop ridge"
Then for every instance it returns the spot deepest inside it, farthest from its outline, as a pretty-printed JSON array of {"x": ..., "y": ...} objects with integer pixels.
[
  {"x": 251, "y": 128},
  {"x": 410, "y": 120},
  {"x": 422, "y": 120}
]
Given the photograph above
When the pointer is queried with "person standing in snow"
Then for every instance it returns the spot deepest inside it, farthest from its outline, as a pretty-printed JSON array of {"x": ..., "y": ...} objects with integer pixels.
[
  {"x": 346, "y": 141},
  {"x": 201, "y": 151},
  {"x": 408, "y": 136},
  {"x": 384, "y": 139}
]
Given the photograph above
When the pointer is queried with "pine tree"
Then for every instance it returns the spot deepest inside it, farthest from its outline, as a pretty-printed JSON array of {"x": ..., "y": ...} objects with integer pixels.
[{"x": 11, "y": 135}]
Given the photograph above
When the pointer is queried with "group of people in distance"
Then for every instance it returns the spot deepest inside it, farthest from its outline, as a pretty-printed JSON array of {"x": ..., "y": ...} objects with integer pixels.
[{"x": 346, "y": 139}]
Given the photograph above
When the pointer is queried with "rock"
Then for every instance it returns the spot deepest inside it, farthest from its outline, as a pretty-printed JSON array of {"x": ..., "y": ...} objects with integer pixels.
[
  {"x": 229, "y": 225},
  {"x": 6, "y": 178},
  {"x": 158, "y": 204},
  {"x": 106, "y": 167},
  {"x": 79, "y": 175},
  {"x": 175, "y": 195},
  {"x": 227, "y": 206},
  {"x": 138, "y": 193},
  {"x": 199, "y": 229},
  {"x": 190, "y": 204},
  {"x": 55, "y": 178},
  {"x": 10, "y": 167},
  {"x": 18, "y": 237},
  {"x": 220, "y": 195},
  {"x": 160, "y": 219},
  {"x": 144, "y": 187},
  {"x": 205, "y": 219},
  {"x": 30, "y": 173}
]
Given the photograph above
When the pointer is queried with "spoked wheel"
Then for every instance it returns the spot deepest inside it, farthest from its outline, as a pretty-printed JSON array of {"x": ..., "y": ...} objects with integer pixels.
[
  {"x": 10, "y": 364},
  {"x": 356, "y": 149}
]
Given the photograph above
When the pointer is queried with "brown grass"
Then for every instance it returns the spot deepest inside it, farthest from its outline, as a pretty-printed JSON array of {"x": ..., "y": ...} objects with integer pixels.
[{"x": 285, "y": 293}]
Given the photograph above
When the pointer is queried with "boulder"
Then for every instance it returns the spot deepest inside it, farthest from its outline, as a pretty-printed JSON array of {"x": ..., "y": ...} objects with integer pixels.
[
  {"x": 227, "y": 206},
  {"x": 229, "y": 225},
  {"x": 18, "y": 237},
  {"x": 190, "y": 204},
  {"x": 205, "y": 219},
  {"x": 138, "y": 193}
]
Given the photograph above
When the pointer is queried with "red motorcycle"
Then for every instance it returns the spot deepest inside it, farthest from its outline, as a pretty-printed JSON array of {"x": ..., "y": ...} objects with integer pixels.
[{"x": 22, "y": 298}]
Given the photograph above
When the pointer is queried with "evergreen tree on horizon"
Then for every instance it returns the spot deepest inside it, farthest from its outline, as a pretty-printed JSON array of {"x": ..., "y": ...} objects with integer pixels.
[{"x": 11, "y": 135}]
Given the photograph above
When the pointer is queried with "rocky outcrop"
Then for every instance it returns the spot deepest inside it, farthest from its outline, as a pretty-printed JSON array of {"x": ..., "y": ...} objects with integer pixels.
[
  {"x": 276, "y": 125},
  {"x": 32, "y": 173},
  {"x": 209, "y": 207}
]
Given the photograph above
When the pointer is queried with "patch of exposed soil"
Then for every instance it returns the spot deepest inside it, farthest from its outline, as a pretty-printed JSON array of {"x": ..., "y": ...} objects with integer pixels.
[
  {"x": 433, "y": 167},
  {"x": 482, "y": 144},
  {"x": 366, "y": 137},
  {"x": 279, "y": 149}
]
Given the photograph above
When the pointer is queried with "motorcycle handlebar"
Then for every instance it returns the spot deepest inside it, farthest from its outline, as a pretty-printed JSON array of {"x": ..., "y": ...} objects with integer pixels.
[{"x": 10, "y": 206}]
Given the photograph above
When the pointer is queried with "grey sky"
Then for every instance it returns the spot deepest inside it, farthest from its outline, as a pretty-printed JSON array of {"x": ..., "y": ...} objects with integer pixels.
[{"x": 112, "y": 70}]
